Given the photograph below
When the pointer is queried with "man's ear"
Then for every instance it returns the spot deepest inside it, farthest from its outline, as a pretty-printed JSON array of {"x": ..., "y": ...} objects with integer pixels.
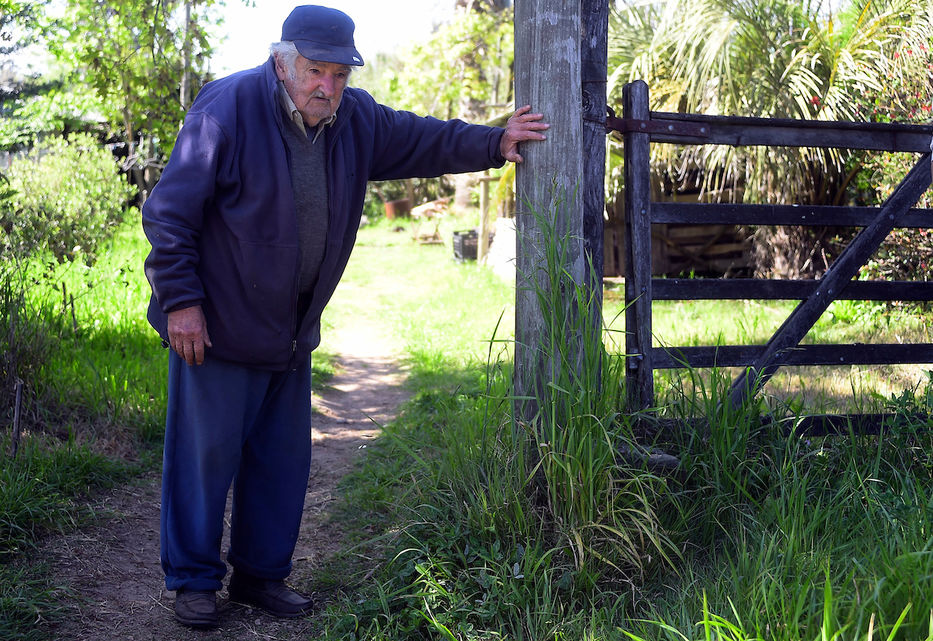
[{"x": 280, "y": 70}]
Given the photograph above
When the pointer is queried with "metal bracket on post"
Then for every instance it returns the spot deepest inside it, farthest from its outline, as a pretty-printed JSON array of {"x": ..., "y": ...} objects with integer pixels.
[{"x": 655, "y": 126}]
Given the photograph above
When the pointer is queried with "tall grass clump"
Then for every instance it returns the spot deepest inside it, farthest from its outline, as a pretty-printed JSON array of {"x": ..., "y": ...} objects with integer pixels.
[
  {"x": 604, "y": 510},
  {"x": 506, "y": 527},
  {"x": 793, "y": 536},
  {"x": 42, "y": 491}
]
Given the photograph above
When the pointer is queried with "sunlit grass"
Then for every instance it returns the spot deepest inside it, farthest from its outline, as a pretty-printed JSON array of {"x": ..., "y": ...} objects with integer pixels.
[
  {"x": 778, "y": 536},
  {"x": 426, "y": 302}
]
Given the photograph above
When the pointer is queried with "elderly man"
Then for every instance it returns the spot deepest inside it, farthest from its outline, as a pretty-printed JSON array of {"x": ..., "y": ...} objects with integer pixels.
[{"x": 251, "y": 226}]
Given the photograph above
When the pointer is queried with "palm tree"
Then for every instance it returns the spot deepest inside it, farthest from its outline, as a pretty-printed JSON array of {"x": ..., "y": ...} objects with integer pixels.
[{"x": 763, "y": 58}]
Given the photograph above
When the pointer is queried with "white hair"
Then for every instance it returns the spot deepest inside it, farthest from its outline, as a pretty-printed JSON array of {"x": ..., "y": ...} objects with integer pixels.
[{"x": 287, "y": 53}]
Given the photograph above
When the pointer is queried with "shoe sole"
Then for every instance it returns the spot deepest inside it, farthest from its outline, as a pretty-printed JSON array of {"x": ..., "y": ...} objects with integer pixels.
[
  {"x": 242, "y": 599},
  {"x": 197, "y": 623}
]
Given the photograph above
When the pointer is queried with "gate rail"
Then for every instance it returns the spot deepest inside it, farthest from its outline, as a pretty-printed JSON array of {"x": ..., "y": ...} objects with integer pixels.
[{"x": 641, "y": 127}]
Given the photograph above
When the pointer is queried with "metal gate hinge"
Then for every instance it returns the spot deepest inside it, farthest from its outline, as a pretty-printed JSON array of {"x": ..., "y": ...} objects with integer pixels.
[{"x": 672, "y": 127}]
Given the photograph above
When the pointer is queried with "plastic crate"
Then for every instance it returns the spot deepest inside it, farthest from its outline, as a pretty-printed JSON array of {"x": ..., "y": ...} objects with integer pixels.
[{"x": 465, "y": 243}]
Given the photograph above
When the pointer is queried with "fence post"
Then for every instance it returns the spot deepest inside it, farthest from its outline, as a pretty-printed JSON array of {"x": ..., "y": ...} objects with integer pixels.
[
  {"x": 548, "y": 189},
  {"x": 639, "y": 370},
  {"x": 594, "y": 70}
]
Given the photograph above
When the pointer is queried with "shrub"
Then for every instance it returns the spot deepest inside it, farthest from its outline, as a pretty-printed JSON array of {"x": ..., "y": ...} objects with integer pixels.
[
  {"x": 69, "y": 199},
  {"x": 904, "y": 97}
]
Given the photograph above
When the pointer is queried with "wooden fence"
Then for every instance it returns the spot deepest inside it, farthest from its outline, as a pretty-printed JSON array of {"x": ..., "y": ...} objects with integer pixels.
[
  {"x": 682, "y": 249},
  {"x": 641, "y": 127}
]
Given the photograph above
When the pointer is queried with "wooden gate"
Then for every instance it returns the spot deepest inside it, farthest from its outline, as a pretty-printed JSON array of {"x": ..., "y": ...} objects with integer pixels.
[{"x": 641, "y": 127}]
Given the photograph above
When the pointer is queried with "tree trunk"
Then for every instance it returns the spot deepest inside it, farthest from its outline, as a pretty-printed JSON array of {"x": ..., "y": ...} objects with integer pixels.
[{"x": 184, "y": 93}]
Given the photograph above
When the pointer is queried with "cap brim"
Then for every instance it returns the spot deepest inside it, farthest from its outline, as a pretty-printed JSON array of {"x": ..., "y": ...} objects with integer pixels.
[{"x": 329, "y": 53}]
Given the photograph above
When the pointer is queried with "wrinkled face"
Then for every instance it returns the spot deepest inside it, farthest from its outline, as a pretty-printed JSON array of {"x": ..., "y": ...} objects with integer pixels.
[{"x": 314, "y": 87}]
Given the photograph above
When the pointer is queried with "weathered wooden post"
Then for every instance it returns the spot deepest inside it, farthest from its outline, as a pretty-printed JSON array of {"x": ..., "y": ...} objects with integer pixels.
[
  {"x": 594, "y": 54},
  {"x": 639, "y": 371},
  {"x": 482, "y": 242},
  {"x": 549, "y": 188}
]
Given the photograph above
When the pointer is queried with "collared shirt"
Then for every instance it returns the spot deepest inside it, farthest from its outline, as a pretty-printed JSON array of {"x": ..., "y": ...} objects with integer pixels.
[{"x": 294, "y": 115}]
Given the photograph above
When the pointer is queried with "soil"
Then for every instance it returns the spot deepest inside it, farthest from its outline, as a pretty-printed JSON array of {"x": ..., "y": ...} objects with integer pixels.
[{"x": 113, "y": 583}]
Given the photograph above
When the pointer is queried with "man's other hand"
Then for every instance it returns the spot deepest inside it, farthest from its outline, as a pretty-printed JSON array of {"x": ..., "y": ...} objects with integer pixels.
[
  {"x": 187, "y": 334},
  {"x": 521, "y": 126}
]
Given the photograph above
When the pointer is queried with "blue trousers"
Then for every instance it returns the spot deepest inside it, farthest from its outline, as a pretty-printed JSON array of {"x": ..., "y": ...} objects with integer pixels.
[{"x": 232, "y": 424}]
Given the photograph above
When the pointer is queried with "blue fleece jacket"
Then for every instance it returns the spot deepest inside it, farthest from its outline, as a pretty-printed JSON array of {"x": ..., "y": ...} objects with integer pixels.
[{"x": 222, "y": 223}]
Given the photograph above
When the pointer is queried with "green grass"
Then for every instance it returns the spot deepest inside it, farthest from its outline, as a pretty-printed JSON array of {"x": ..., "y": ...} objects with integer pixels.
[
  {"x": 42, "y": 491},
  {"x": 467, "y": 524},
  {"x": 440, "y": 312},
  {"x": 849, "y": 388},
  {"x": 473, "y": 527}
]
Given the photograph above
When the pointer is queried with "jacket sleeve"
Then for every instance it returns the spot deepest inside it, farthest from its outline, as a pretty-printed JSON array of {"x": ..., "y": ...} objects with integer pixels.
[
  {"x": 411, "y": 146},
  {"x": 173, "y": 215}
]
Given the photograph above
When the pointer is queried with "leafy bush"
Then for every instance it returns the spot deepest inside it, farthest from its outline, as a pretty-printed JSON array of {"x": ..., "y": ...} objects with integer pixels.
[
  {"x": 904, "y": 97},
  {"x": 69, "y": 199}
]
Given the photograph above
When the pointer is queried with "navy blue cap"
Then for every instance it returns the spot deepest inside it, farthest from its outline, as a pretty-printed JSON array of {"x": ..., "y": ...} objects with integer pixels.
[{"x": 322, "y": 34}]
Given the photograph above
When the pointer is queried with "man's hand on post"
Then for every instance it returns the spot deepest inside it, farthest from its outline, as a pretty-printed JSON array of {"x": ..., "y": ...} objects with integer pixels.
[
  {"x": 521, "y": 126},
  {"x": 187, "y": 334}
]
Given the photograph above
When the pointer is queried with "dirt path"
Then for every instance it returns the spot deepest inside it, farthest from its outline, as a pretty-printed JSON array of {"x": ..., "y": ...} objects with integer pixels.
[{"x": 112, "y": 572}]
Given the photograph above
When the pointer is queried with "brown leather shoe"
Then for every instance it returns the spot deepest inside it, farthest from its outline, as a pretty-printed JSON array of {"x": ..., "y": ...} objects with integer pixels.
[
  {"x": 196, "y": 608},
  {"x": 273, "y": 596}
]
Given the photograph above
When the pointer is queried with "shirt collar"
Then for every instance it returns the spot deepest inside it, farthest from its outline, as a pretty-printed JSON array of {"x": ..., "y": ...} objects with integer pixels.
[{"x": 294, "y": 115}]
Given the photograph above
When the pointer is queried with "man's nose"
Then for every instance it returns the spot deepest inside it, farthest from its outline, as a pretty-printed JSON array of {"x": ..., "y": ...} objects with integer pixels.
[{"x": 328, "y": 85}]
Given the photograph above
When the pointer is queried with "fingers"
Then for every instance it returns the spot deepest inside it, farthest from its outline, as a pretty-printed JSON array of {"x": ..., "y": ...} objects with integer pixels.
[
  {"x": 198, "y": 352},
  {"x": 187, "y": 333},
  {"x": 514, "y": 156},
  {"x": 200, "y": 345},
  {"x": 523, "y": 115},
  {"x": 522, "y": 125},
  {"x": 191, "y": 351}
]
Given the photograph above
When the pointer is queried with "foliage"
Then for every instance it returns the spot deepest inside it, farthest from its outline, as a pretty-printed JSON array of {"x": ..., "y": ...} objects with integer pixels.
[
  {"x": 796, "y": 536},
  {"x": 463, "y": 70},
  {"x": 515, "y": 528},
  {"x": 906, "y": 254},
  {"x": 45, "y": 110},
  {"x": 26, "y": 594},
  {"x": 780, "y": 534},
  {"x": 76, "y": 337},
  {"x": 812, "y": 69},
  {"x": 69, "y": 200},
  {"x": 767, "y": 58},
  {"x": 41, "y": 491},
  {"x": 604, "y": 512},
  {"x": 25, "y": 16},
  {"x": 135, "y": 55},
  {"x": 39, "y": 487},
  {"x": 18, "y": 28},
  {"x": 905, "y": 96},
  {"x": 25, "y": 344}
]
